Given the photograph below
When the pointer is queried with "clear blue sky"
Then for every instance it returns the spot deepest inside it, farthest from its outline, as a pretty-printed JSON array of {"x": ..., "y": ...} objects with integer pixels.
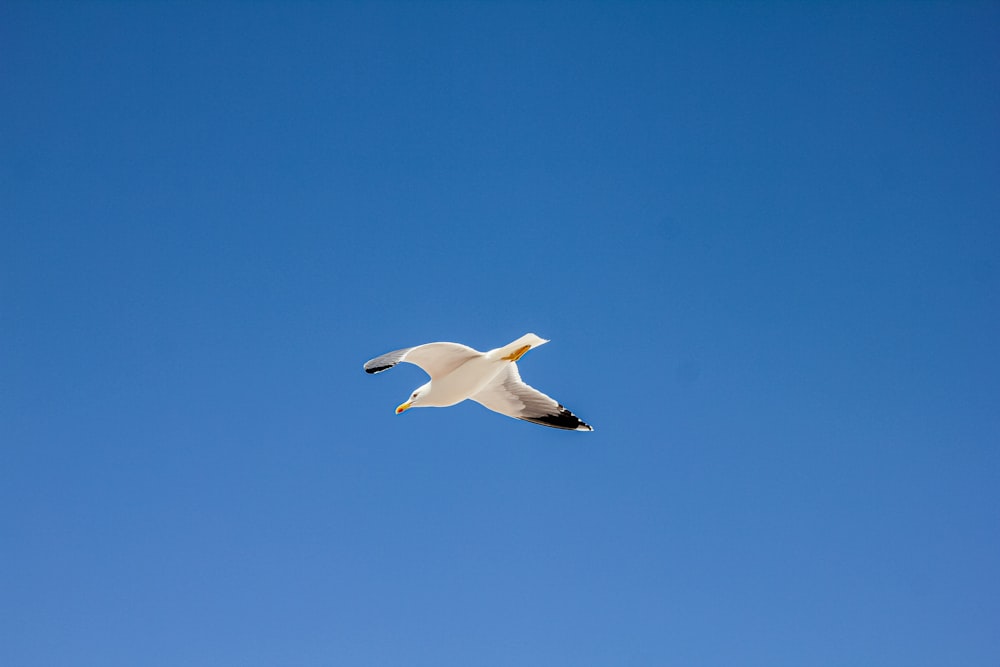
[{"x": 764, "y": 239}]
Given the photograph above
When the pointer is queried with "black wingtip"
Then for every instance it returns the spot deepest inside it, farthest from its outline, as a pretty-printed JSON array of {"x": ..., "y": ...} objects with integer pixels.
[{"x": 564, "y": 419}]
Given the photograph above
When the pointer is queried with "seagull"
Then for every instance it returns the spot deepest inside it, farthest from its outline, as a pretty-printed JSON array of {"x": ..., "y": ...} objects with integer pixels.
[{"x": 489, "y": 378}]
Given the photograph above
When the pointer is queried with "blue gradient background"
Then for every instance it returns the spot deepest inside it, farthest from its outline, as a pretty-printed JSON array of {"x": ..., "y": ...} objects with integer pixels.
[{"x": 764, "y": 239}]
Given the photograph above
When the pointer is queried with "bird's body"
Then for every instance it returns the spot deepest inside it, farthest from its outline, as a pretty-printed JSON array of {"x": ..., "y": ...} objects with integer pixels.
[
  {"x": 464, "y": 382},
  {"x": 490, "y": 378}
]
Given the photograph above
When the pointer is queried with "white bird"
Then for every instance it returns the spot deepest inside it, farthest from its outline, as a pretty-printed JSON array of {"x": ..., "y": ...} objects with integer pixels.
[{"x": 489, "y": 378}]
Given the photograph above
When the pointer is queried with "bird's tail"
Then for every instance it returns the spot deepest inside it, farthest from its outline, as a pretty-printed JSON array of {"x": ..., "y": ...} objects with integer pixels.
[{"x": 515, "y": 350}]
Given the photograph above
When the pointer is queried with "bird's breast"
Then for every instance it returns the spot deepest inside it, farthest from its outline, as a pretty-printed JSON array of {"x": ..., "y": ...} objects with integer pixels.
[{"x": 463, "y": 382}]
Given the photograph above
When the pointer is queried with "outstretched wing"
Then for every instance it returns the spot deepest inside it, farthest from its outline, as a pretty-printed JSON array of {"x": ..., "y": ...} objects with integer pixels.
[
  {"x": 509, "y": 395},
  {"x": 435, "y": 359}
]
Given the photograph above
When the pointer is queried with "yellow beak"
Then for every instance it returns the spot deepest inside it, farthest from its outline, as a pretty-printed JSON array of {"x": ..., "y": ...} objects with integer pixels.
[{"x": 403, "y": 408}]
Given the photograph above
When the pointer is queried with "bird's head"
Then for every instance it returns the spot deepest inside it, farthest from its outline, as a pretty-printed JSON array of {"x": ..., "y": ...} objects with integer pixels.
[{"x": 414, "y": 400}]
